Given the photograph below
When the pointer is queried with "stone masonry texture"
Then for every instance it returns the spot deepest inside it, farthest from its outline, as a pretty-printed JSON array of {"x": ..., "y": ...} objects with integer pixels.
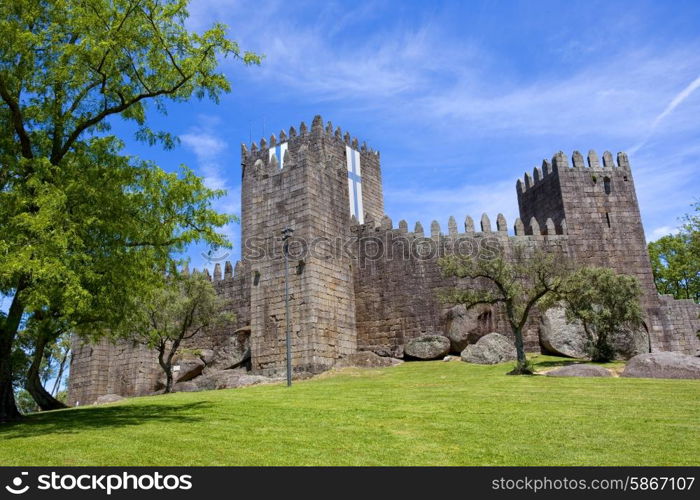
[{"x": 374, "y": 286}]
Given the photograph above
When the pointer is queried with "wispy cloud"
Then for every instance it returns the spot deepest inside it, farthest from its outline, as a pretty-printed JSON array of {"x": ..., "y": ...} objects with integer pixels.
[
  {"x": 211, "y": 154},
  {"x": 431, "y": 93},
  {"x": 675, "y": 102}
]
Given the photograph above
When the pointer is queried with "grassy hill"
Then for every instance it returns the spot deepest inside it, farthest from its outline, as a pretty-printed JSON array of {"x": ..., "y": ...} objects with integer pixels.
[{"x": 430, "y": 413}]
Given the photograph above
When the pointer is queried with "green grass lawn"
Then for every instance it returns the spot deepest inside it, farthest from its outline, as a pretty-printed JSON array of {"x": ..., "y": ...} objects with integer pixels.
[{"x": 430, "y": 413}]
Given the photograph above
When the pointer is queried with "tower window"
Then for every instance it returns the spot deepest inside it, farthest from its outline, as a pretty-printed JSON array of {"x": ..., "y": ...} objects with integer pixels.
[
  {"x": 607, "y": 218},
  {"x": 256, "y": 277},
  {"x": 300, "y": 267},
  {"x": 607, "y": 183}
]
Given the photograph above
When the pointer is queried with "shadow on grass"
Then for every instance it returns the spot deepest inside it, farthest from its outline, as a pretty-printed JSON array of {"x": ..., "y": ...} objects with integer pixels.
[
  {"x": 563, "y": 362},
  {"x": 81, "y": 419}
]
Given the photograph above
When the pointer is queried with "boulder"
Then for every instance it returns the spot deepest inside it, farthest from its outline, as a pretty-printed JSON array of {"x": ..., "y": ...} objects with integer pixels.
[
  {"x": 490, "y": 349},
  {"x": 561, "y": 338},
  {"x": 234, "y": 351},
  {"x": 366, "y": 359},
  {"x": 108, "y": 398},
  {"x": 663, "y": 365},
  {"x": 580, "y": 370},
  {"x": 187, "y": 369},
  {"x": 396, "y": 352},
  {"x": 428, "y": 347},
  {"x": 188, "y": 386},
  {"x": 466, "y": 326},
  {"x": 206, "y": 355},
  {"x": 629, "y": 343},
  {"x": 228, "y": 379}
]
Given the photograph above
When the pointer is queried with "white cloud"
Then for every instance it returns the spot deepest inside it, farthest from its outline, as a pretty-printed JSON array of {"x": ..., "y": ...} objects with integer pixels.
[
  {"x": 660, "y": 232},
  {"x": 675, "y": 102},
  {"x": 211, "y": 153}
]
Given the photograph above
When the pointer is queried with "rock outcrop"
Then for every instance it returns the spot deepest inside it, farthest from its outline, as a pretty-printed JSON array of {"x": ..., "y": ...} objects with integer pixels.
[
  {"x": 108, "y": 398},
  {"x": 428, "y": 347},
  {"x": 234, "y": 351},
  {"x": 366, "y": 359},
  {"x": 561, "y": 338},
  {"x": 663, "y": 365},
  {"x": 490, "y": 349},
  {"x": 466, "y": 326}
]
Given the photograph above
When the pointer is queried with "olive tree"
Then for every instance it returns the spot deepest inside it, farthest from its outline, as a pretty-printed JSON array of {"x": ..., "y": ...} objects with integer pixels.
[
  {"x": 186, "y": 305},
  {"x": 520, "y": 282}
]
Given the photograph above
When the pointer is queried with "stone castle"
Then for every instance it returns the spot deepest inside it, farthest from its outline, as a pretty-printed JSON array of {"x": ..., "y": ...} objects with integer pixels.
[{"x": 358, "y": 283}]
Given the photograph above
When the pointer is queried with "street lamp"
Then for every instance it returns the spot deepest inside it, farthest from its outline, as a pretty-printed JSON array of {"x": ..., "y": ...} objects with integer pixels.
[{"x": 286, "y": 234}]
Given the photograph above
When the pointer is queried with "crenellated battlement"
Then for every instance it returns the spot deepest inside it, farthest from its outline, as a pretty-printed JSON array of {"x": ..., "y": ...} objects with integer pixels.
[
  {"x": 533, "y": 228},
  {"x": 230, "y": 272},
  {"x": 560, "y": 162},
  {"x": 293, "y": 145}
]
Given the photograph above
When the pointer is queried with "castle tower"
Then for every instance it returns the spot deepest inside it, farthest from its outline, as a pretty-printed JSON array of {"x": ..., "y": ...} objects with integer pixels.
[
  {"x": 313, "y": 181},
  {"x": 597, "y": 204}
]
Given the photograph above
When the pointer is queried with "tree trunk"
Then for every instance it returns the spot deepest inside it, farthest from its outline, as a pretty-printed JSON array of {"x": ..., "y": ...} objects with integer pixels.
[
  {"x": 8, "y": 408},
  {"x": 33, "y": 383},
  {"x": 167, "y": 367},
  {"x": 8, "y": 332},
  {"x": 61, "y": 367},
  {"x": 169, "y": 381},
  {"x": 521, "y": 368}
]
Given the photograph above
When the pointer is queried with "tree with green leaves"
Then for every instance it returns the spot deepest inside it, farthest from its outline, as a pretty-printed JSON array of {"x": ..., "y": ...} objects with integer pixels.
[
  {"x": 519, "y": 283},
  {"x": 605, "y": 303},
  {"x": 675, "y": 260},
  {"x": 85, "y": 230},
  {"x": 186, "y": 306}
]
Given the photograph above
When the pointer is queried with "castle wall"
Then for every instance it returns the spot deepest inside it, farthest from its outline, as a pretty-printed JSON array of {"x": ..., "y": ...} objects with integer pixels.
[
  {"x": 129, "y": 369},
  {"x": 105, "y": 368},
  {"x": 398, "y": 280},
  {"x": 680, "y": 321}
]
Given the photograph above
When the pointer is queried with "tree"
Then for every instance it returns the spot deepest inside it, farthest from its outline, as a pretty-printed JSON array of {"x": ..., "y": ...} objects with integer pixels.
[
  {"x": 38, "y": 359},
  {"x": 185, "y": 306},
  {"x": 67, "y": 69},
  {"x": 26, "y": 403},
  {"x": 519, "y": 282},
  {"x": 675, "y": 260},
  {"x": 605, "y": 303},
  {"x": 45, "y": 332}
]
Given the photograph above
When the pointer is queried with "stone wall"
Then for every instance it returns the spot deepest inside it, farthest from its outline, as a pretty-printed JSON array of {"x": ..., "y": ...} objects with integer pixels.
[
  {"x": 398, "y": 281},
  {"x": 681, "y": 324},
  {"x": 132, "y": 370},
  {"x": 105, "y": 368}
]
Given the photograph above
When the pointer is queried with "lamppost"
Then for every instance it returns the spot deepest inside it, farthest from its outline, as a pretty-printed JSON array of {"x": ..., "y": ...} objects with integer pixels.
[{"x": 286, "y": 234}]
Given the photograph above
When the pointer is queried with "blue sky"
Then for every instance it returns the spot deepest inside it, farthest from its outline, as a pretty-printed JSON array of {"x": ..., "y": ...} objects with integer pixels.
[{"x": 461, "y": 98}]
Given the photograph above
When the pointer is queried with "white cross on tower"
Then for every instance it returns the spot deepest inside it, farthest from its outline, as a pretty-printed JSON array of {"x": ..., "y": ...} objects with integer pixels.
[{"x": 355, "y": 184}]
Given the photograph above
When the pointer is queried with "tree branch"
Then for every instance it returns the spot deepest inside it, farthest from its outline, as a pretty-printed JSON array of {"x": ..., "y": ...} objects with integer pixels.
[{"x": 17, "y": 120}]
